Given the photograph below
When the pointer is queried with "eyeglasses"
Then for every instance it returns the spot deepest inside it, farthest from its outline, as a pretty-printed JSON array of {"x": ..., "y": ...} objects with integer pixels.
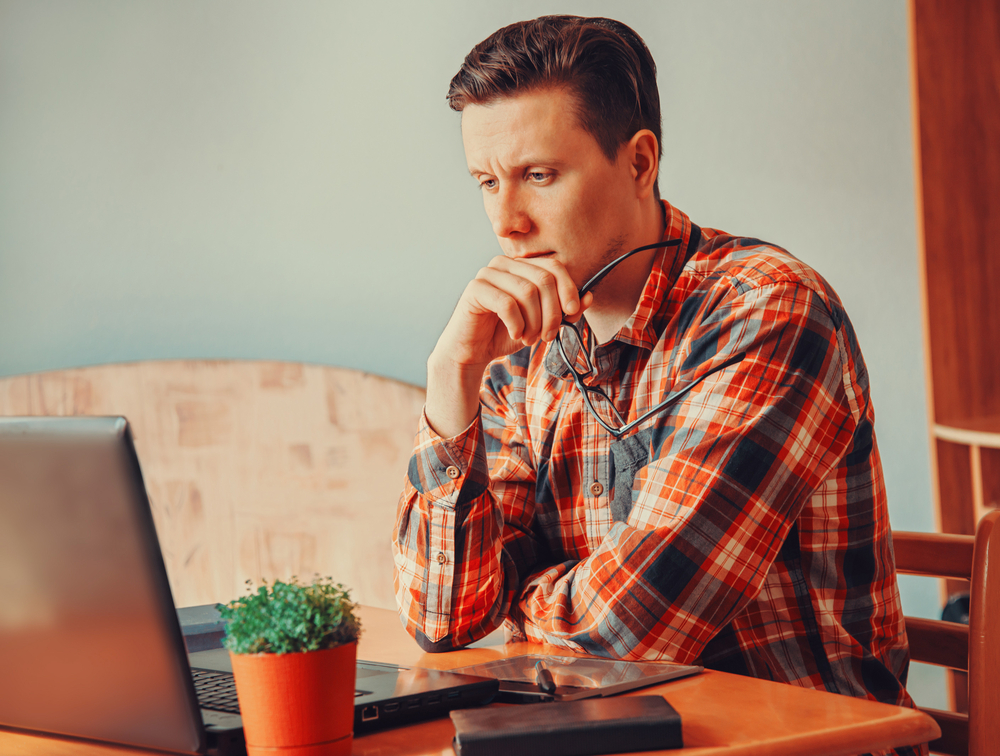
[{"x": 570, "y": 341}]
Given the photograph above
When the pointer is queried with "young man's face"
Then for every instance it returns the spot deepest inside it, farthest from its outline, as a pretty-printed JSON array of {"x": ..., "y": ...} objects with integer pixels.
[{"x": 548, "y": 188}]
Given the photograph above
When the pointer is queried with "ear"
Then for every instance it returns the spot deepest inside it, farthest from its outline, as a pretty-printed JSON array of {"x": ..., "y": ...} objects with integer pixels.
[{"x": 643, "y": 153}]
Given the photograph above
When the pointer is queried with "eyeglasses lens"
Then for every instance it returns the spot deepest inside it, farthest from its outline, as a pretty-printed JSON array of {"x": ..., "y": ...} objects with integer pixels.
[{"x": 579, "y": 361}]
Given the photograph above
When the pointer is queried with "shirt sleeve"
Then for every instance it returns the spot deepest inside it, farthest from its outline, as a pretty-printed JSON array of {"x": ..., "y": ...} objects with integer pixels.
[
  {"x": 731, "y": 466},
  {"x": 459, "y": 533}
]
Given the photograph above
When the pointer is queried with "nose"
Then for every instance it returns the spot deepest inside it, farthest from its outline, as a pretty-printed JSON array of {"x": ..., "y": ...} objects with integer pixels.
[{"x": 509, "y": 215}]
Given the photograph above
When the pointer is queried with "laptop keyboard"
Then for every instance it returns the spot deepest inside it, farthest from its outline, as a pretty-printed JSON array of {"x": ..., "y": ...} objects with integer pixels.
[{"x": 216, "y": 690}]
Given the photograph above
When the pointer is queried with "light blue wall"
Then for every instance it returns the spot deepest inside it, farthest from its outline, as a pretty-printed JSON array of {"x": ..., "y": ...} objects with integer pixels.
[{"x": 285, "y": 180}]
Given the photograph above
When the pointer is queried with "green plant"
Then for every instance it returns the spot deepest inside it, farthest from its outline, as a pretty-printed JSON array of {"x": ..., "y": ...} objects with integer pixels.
[{"x": 286, "y": 618}]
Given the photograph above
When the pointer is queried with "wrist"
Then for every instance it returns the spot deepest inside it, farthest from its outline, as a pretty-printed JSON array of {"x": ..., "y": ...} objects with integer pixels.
[{"x": 452, "y": 394}]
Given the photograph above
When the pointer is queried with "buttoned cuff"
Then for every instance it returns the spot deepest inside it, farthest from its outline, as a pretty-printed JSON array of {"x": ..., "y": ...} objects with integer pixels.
[{"x": 448, "y": 472}]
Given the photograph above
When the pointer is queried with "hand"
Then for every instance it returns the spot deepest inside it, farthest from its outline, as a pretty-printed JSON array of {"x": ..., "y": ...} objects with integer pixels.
[{"x": 510, "y": 304}]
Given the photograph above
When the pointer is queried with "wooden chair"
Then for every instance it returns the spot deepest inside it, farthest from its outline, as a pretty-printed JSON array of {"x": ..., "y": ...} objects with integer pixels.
[
  {"x": 974, "y": 647},
  {"x": 254, "y": 469}
]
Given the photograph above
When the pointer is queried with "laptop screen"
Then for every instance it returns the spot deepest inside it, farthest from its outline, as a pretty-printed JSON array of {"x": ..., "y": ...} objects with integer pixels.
[{"x": 87, "y": 644}]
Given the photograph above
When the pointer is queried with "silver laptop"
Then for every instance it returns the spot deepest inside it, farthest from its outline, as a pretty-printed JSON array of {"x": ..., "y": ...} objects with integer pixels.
[{"x": 90, "y": 643}]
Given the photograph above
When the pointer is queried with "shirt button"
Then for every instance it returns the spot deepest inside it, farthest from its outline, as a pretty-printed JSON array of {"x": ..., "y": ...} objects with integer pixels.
[
  {"x": 453, "y": 472},
  {"x": 442, "y": 557},
  {"x": 596, "y": 488}
]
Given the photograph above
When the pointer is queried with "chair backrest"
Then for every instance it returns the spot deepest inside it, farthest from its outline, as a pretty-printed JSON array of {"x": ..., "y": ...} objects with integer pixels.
[
  {"x": 254, "y": 469},
  {"x": 975, "y": 647}
]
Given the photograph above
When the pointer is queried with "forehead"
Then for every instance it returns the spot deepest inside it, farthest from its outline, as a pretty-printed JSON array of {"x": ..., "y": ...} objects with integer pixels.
[{"x": 529, "y": 127}]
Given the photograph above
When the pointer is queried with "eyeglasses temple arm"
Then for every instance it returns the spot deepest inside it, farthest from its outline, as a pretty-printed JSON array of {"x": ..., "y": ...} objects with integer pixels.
[
  {"x": 599, "y": 276},
  {"x": 734, "y": 360}
]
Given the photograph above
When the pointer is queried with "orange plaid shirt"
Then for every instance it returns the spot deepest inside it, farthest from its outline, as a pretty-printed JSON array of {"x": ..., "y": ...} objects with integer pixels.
[{"x": 745, "y": 528}]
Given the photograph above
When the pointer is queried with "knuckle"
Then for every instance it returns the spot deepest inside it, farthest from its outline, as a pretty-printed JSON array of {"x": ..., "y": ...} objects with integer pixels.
[
  {"x": 506, "y": 303},
  {"x": 476, "y": 288},
  {"x": 546, "y": 280},
  {"x": 525, "y": 288}
]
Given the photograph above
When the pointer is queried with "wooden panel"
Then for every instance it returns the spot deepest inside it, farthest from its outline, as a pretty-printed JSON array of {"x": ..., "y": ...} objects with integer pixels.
[
  {"x": 945, "y": 644},
  {"x": 956, "y": 516},
  {"x": 955, "y": 485},
  {"x": 957, "y": 60},
  {"x": 956, "y": 77},
  {"x": 254, "y": 469},
  {"x": 990, "y": 467},
  {"x": 933, "y": 554}
]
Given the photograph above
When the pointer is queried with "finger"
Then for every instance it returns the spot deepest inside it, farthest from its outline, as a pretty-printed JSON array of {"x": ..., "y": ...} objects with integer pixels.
[
  {"x": 488, "y": 298},
  {"x": 585, "y": 302},
  {"x": 551, "y": 281},
  {"x": 546, "y": 287},
  {"x": 525, "y": 296},
  {"x": 569, "y": 295}
]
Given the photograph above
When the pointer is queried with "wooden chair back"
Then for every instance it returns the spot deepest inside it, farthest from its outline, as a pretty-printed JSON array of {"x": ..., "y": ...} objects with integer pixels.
[
  {"x": 974, "y": 647},
  {"x": 254, "y": 469}
]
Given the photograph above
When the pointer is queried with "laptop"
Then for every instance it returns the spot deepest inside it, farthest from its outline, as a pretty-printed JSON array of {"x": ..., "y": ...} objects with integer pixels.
[
  {"x": 385, "y": 695},
  {"x": 90, "y": 642}
]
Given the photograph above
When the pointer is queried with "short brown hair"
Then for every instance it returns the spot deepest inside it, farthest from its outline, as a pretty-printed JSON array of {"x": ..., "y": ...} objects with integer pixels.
[{"x": 603, "y": 62}]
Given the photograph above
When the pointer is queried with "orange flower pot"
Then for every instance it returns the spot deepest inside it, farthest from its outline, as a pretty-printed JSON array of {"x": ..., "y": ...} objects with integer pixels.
[{"x": 297, "y": 704}]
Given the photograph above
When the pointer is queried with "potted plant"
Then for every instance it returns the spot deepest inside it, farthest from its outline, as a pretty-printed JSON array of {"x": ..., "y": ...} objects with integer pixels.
[{"x": 293, "y": 647}]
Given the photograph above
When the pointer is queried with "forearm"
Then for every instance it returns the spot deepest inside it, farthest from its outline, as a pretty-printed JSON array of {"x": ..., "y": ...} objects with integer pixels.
[{"x": 452, "y": 394}]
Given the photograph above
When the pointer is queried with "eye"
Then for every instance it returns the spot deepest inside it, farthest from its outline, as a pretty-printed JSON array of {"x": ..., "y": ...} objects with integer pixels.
[
  {"x": 487, "y": 183},
  {"x": 539, "y": 177}
]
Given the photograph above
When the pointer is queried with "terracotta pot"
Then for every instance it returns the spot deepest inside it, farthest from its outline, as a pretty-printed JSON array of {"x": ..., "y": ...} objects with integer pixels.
[{"x": 297, "y": 704}]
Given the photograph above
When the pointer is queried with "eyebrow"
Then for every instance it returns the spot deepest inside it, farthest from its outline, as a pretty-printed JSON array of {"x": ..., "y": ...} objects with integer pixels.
[{"x": 552, "y": 163}]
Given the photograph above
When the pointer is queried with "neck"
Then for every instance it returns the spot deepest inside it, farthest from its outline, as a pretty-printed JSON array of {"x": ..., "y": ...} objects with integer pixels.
[{"x": 616, "y": 297}]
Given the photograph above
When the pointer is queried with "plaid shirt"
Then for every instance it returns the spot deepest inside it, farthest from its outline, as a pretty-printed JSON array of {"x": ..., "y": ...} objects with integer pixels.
[{"x": 745, "y": 528}]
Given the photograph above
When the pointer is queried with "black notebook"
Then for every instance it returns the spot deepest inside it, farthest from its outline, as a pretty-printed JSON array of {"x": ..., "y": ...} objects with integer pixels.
[{"x": 569, "y": 728}]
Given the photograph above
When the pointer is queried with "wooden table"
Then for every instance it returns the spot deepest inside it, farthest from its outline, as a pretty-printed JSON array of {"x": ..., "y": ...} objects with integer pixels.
[{"x": 722, "y": 714}]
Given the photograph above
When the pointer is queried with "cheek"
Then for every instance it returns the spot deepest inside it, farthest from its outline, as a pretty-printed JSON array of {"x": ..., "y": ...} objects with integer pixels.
[
  {"x": 597, "y": 213},
  {"x": 573, "y": 210}
]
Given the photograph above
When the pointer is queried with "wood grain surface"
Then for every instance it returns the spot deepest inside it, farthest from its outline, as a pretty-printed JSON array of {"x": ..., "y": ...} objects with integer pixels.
[
  {"x": 955, "y": 54},
  {"x": 254, "y": 469},
  {"x": 722, "y": 714},
  {"x": 957, "y": 75}
]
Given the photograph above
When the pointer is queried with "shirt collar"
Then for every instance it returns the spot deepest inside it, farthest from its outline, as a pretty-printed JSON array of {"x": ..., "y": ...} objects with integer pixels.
[{"x": 642, "y": 327}]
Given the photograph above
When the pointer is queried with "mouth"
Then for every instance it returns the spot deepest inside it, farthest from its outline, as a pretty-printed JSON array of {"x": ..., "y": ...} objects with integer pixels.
[{"x": 533, "y": 255}]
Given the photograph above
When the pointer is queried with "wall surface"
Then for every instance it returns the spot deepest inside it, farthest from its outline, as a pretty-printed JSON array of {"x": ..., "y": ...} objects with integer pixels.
[{"x": 285, "y": 181}]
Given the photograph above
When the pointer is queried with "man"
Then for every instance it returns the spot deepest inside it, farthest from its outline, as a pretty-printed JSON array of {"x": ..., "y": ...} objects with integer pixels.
[{"x": 733, "y": 511}]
